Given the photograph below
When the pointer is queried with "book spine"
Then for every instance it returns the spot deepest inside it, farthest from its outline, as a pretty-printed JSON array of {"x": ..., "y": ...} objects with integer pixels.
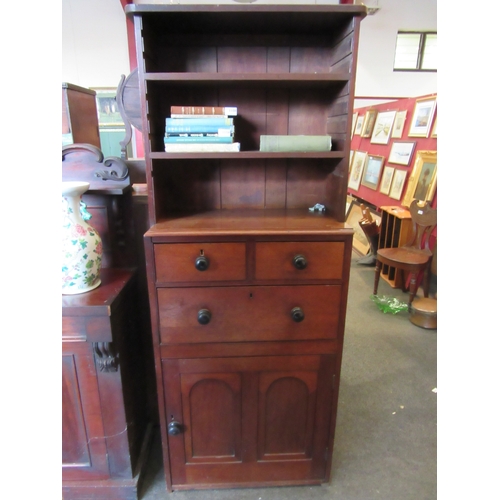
[
  {"x": 204, "y": 110},
  {"x": 200, "y": 129},
  {"x": 200, "y": 123},
  {"x": 202, "y": 148},
  {"x": 183, "y": 139},
  {"x": 197, "y": 134},
  {"x": 295, "y": 143}
]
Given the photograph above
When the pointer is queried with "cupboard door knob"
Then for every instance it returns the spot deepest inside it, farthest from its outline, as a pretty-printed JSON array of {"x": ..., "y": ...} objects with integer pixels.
[
  {"x": 174, "y": 428},
  {"x": 204, "y": 316},
  {"x": 297, "y": 314},
  {"x": 300, "y": 262},
  {"x": 201, "y": 263}
]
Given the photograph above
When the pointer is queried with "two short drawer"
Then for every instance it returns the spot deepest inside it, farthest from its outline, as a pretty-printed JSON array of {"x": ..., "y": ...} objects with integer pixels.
[
  {"x": 274, "y": 261},
  {"x": 248, "y": 313}
]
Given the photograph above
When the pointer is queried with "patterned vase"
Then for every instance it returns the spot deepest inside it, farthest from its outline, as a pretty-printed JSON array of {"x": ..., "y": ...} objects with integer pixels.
[{"x": 81, "y": 243}]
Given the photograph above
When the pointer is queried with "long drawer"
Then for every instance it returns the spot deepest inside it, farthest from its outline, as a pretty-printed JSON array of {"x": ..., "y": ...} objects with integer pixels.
[{"x": 248, "y": 313}]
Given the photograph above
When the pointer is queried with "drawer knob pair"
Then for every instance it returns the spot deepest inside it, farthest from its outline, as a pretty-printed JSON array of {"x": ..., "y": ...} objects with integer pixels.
[
  {"x": 204, "y": 315},
  {"x": 300, "y": 262}
]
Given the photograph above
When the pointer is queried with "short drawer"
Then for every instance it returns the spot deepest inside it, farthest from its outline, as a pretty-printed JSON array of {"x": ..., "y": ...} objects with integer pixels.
[
  {"x": 248, "y": 313},
  {"x": 299, "y": 260},
  {"x": 185, "y": 262}
]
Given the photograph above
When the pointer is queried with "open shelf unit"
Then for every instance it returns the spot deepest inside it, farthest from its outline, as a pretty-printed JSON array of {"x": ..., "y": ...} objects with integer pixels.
[{"x": 247, "y": 287}]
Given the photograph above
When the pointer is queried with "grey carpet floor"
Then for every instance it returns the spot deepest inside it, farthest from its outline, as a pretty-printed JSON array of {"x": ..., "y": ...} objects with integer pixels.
[{"x": 386, "y": 435}]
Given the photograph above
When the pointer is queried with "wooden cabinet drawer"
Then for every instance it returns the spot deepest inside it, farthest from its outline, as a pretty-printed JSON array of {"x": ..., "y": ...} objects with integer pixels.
[
  {"x": 248, "y": 313},
  {"x": 299, "y": 260},
  {"x": 177, "y": 262}
]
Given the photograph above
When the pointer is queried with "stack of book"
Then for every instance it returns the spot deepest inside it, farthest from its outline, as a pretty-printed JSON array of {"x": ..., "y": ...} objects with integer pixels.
[
  {"x": 295, "y": 143},
  {"x": 200, "y": 129}
]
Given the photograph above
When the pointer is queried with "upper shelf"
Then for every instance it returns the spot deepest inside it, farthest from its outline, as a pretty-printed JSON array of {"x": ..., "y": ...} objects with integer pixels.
[
  {"x": 279, "y": 79},
  {"x": 246, "y": 155}
]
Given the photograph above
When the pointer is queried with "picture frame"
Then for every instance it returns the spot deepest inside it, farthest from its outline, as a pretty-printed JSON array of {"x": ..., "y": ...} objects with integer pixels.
[
  {"x": 399, "y": 124},
  {"x": 351, "y": 155},
  {"x": 353, "y": 123},
  {"x": 383, "y": 127},
  {"x": 385, "y": 183},
  {"x": 423, "y": 115},
  {"x": 348, "y": 203},
  {"x": 368, "y": 123},
  {"x": 434, "y": 132},
  {"x": 107, "y": 108},
  {"x": 398, "y": 182},
  {"x": 423, "y": 178},
  {"x": 358, "y": 164},
  {"x": 359, "y": 124},
  {"x": 401, "y": 152},
  {"x": 372, "y": 171}
]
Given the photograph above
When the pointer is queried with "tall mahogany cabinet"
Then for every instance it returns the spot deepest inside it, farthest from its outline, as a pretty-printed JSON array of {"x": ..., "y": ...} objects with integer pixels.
[{"x": 247, "y": 286}]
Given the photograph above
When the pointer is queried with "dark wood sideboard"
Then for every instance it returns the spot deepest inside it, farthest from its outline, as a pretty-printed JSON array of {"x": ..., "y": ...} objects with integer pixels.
[
  {"x": 247, "y": 286},
  {"x": 107, "y": 375}
]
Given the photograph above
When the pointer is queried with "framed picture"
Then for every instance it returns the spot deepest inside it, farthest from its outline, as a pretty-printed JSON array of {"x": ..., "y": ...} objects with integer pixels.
[
  {"x": 360, "y": 241},
  {"x": 373, "y": 169},
  {"x": 422, "y": 117},
  {"x": 423, "y": 179},
  {"x": 368, "y": 123},
  {"x": 398, "y": 183},
  {"x": 383, "y": 127},
  {"x": 348, "y": 203},
  {"x": 353, "y": 124},
  {"x": 401, "y": 153},
  {"x": 434, "y": 132},
  {"x": 358, "y": 164},
  {"x": 399, "y": 124},
  {"x": 107, "y": 107},
  {"x": 385, "y": 184},
  {"x": 351, "y": 154},
  {"x": 359, "y": 125}
]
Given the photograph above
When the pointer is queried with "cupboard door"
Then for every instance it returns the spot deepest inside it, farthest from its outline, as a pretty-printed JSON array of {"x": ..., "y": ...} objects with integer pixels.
[
  {"x": 248, "y": 420},
  {"x": 83, "y": 444}
]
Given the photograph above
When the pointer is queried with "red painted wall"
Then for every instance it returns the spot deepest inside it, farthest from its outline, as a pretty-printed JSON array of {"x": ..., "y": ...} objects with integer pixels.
[{"x": 359, "y": 143}]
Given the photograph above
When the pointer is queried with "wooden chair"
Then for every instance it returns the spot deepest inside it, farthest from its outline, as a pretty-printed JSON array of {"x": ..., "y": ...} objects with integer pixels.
[{"x": 415, "y": 256}]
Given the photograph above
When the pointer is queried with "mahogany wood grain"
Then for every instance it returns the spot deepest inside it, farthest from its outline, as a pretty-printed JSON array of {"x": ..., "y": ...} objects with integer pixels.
[
  {"x": 248, "y": 313},
  {"x": 176, "y": 262}
]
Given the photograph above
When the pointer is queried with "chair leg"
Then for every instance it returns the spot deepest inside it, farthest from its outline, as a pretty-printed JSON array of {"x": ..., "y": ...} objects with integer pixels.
[
  {"x": 413, "y": 287},
  {"x": 378, "y": 268}
]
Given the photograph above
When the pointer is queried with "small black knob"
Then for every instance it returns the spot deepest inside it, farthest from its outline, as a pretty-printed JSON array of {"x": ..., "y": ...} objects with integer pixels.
[
  {"x": 297, "y": 314},
  {"x": 204, "y": 316},
  {"x": 174, "y": 428},
  {"x": 300, "y": 262},
  {"x": 202, "y": 263}
]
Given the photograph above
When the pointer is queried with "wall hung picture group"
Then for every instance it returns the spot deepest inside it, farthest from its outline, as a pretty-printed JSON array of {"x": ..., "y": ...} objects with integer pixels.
[{"x": 383, "y": 173}]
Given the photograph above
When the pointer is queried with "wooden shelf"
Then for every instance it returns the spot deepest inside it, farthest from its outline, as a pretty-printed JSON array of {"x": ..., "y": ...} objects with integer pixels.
[{"x": 247, "y": 155}]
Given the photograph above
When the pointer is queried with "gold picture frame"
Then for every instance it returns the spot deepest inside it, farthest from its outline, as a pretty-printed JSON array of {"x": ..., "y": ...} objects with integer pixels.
[
  {"x": 383, "y": 127},
  {"x": 423, "y": 178},
  {"x": 423, "y": 115},
  {"x": 399, "y": 124},
  {"x": 358, "y": 165},
  {"x": 368, "y": 123}
]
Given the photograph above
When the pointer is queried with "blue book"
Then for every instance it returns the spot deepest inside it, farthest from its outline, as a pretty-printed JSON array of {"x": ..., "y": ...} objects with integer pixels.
[
  {"x": 197, "y": 124},
  {"x": 197, "y": 129},
  {"x": 199, "y": 140}
]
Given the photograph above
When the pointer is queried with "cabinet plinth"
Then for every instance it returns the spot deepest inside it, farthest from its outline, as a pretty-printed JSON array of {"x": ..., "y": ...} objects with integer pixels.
[{"x": 247, "y": 286}]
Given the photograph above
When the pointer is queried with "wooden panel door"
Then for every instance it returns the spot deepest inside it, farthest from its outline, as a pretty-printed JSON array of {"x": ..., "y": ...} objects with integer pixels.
[
  {"x": 83, "y": 445},
  {"x": 249, "y": 420}
]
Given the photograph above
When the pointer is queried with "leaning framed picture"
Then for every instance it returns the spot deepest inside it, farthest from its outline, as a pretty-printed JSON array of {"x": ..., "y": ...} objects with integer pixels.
[
  {"x": 422, "y": 117},
  {"x": 385, "y": 183},
  {"x": 423, "y": 178},
  {"x": 383, "y": 127},
  {"x": 359, "y": 124},
  {"x": 368, "y": 123},
  {"x": 401, "y": 152},
  {"x": 398, "y": 183},
  {"x": 359, "y": 241},
  {"x": 399, "y": 123},
  {"x": 358, "y": 164},
  {"x": 373, "y": 169}
]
